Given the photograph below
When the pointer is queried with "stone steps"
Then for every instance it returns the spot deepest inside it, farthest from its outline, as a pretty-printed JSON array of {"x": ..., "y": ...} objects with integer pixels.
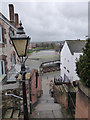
[
  {"x": 8, "y": 113},
  {"x": 16, "y": 114},
  {"x": 11, "y": 114},
  {"x": 10, "y": 119}
]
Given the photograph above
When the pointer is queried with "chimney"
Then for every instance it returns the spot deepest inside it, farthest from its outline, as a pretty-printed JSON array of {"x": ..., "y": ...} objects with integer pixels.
[
  {"x": 11, "y": 13},
  {"x": 16, "y": 20}
]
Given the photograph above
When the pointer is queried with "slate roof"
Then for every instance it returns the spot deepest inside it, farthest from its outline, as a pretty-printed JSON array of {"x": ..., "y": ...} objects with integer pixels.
[{"x": 76, "y": 46}]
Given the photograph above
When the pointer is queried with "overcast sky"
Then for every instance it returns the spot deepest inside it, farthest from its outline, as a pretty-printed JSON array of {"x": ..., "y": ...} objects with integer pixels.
[{"x": 52, "y": 21}]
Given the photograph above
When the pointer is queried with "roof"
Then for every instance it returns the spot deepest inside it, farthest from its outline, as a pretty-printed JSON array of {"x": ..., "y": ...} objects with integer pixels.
[
  {"x": 76, "y": 46},
  {"x": 7, "y": 21}
]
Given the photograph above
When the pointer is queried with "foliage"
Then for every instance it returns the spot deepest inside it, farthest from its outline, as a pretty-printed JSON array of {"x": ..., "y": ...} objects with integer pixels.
[
  {"x": 83, "y": 65},
  {"x": 30, "y": 51}
]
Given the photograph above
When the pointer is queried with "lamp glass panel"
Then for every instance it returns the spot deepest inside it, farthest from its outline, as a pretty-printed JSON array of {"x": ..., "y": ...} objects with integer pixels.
[{"x": 20, "y": 46}]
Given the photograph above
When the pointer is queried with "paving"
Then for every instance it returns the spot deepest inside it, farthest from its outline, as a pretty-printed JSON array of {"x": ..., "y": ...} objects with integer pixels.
[
  {"x": 16, "y": 114},
  {"x": 46, "y": 108},
  {"x": 8, "y": 113}
]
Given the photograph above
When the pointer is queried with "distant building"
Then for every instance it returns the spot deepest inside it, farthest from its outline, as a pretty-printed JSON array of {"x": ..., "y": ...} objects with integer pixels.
[
  {"x": 33, "y": 45},
  {"x": 70, "y": 53}
]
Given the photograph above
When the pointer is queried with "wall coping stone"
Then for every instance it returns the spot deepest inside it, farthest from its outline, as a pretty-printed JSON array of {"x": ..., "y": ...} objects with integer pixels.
[{"x": 84, "y": 89}]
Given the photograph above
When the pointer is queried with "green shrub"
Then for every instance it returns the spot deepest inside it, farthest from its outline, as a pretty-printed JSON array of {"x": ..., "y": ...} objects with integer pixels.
[{"x": 83, "y": 65}]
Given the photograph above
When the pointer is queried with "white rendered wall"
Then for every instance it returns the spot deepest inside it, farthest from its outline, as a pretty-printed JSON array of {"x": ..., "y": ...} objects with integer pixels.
[
  {"x": 66, "y": 61},
  {"x": 69, "y": 61}
]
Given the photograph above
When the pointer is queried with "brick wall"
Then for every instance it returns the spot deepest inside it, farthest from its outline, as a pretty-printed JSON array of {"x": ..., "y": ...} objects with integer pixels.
[
  {"x": 33, "y": 86},
  {"x": 6, "y": 48},
  {"x": 61, "y": 96},
  {"x": 50, "y": 69},
  {"x": 39, "y": 89},
  {"x": 65, "y": 94},
  {"x": 82, "y": 103},
  {"x": 35, "y": 92}
]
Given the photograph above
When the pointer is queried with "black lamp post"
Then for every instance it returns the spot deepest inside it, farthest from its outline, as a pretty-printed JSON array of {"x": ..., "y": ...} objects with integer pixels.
[{"x": 20, "y": 43}]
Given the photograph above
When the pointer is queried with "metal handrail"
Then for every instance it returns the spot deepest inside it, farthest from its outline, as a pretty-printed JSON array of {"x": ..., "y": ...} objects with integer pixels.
[{"x": 13, "y": 95}]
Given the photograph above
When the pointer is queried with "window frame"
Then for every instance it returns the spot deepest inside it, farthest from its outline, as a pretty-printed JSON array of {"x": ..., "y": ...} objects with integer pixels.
[
  {"x": 1, "y": 40},
  {"x": 2, "y": 62},
  {"x": 13, "y": 58},
  {"x": 11, "y": 34}
]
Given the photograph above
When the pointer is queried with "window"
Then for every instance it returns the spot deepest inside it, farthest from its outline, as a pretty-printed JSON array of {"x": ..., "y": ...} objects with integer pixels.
[
  {"x": 64, "y": 67},
  {"x": 2, "y": 67},
  {"x": 0, "y": 34},
  {"x": 68, "y": 71},
  {"x": 13, "y": 59},
  {"x": 11, "y": 34}
]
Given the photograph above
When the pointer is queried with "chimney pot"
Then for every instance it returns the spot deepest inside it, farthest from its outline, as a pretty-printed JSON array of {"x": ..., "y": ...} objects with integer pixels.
[
  {"x": 16, "y": 20},
  {"x": 11, "y": 12}
]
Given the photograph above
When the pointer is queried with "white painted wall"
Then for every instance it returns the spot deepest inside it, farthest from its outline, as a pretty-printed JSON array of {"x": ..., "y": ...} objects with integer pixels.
[{"x": 68, "y": 60}]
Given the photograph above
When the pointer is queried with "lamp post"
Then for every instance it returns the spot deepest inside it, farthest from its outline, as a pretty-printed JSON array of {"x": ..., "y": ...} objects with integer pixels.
[{"x": 20, "y": 43}]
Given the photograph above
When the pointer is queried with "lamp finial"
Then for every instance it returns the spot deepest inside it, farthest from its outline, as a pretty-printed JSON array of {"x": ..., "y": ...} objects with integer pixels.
[{"x": 20, "y": 23}]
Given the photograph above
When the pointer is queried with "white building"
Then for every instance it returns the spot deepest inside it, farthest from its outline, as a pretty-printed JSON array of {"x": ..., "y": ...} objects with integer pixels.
[{"x": 70, "y": 53}]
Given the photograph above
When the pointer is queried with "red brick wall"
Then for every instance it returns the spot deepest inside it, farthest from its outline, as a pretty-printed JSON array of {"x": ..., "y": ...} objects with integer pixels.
[
  {"x": 64, "y": 100},
  {"x": 35, "y": 92},
  {"x": 61, "y": 97},
  {"x": 6, "y": 46},
  {"x": 33, "y": 87},
  {"x": 39, "y": 89},
  {"x": 82, "y": 105}
]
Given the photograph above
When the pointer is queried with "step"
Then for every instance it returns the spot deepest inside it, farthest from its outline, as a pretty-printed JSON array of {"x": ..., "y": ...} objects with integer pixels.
[
  {"x": 10, "y": 119},
  {"x": 16, "y": 114},
  {"x": 8, "y": 113}
]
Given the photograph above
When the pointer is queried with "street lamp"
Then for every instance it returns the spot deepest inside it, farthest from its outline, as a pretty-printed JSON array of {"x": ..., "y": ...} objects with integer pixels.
[{"x": 20, "y": 43}]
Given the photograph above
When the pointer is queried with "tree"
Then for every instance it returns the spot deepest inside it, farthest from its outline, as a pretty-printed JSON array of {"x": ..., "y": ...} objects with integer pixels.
[{"x": 83, "y": 65}]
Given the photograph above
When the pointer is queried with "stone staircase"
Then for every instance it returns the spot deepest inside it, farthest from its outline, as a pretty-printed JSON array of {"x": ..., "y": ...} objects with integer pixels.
[
  {"x": 16, "y": 114},
  {"x": 8, "y": 113},
  {"x": 12, "y": 114}
]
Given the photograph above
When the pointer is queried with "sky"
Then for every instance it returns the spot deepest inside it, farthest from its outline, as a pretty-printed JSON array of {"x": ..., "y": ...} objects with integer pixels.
[{"x": 51, "y": 21}]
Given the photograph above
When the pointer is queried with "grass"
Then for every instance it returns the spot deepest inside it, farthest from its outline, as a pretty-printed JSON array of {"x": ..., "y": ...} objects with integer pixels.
[{"x": 30, "y": 51}]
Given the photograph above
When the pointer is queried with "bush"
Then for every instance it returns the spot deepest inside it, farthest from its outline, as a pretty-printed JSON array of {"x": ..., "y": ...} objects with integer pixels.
[{"x": 83, "y": 65}]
